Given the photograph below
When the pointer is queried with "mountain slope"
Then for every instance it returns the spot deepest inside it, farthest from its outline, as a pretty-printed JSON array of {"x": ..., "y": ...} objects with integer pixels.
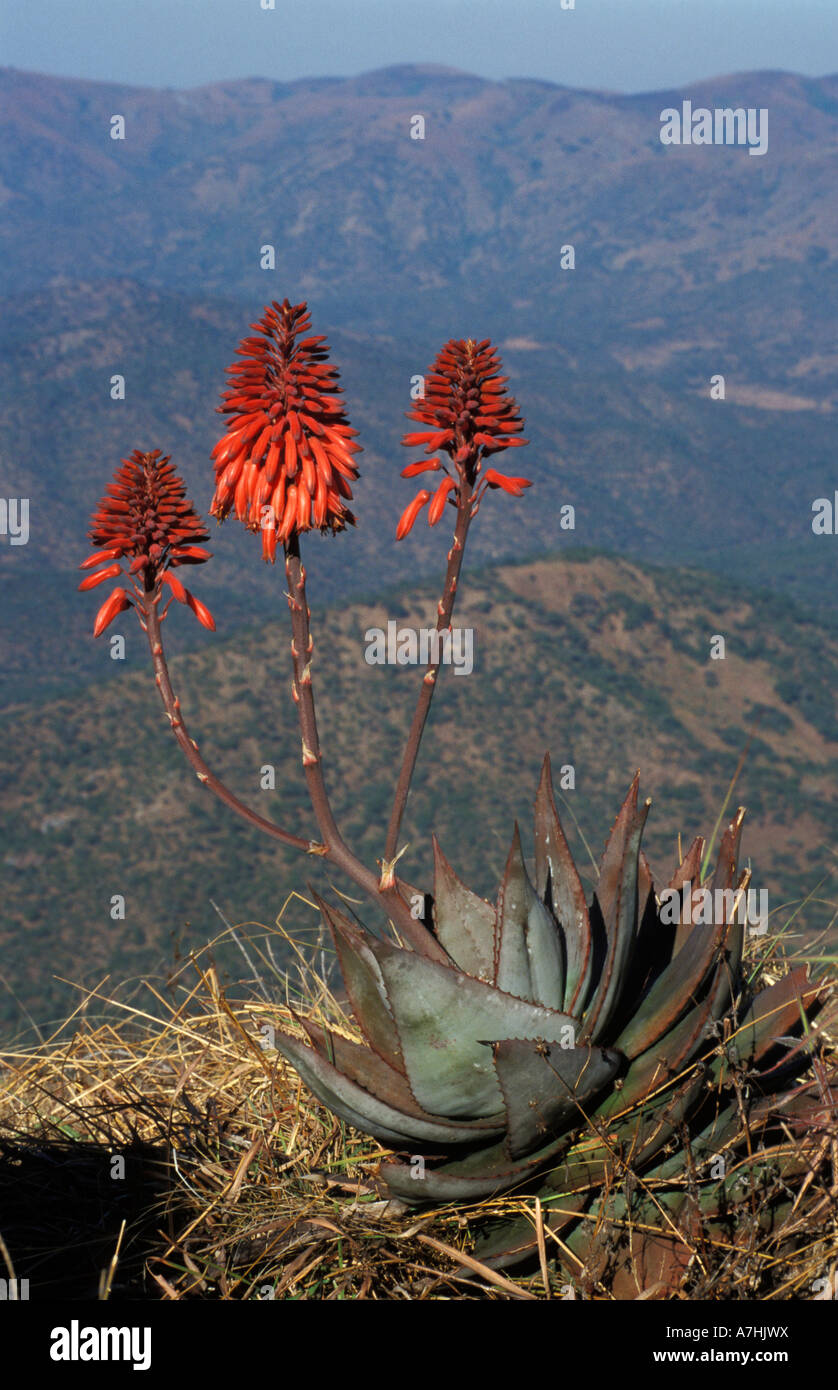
[
  {"x": 379, "y": 227},
  {"x": 651, "y": 466},
  {"x": 141, "y": 257},
  {"x": 605, "y": 665}
]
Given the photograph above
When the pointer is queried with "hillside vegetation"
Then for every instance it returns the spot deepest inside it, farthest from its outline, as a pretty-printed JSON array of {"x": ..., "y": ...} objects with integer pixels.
[{"x": 606, "y": 666}]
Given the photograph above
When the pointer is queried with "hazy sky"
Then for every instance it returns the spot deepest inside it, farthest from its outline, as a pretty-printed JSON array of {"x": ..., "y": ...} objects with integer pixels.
[{"x": 622, "y": 45}]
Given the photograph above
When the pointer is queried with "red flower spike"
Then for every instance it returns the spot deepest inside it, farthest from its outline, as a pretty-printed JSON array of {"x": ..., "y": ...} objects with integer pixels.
[
  {"x": 289, "y": 444},
  {"x": 143, "y": 518},
  {"x": 468, "y": 415}
]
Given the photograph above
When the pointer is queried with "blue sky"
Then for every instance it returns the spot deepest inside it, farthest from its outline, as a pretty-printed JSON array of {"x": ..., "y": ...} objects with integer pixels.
[{"x": 620, "y": 45}]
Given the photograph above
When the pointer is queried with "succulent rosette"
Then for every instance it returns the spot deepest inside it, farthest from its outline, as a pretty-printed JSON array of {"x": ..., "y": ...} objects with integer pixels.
[
  {"x": 561, "y": 1041},
  {"x": 145, "y": 517}
]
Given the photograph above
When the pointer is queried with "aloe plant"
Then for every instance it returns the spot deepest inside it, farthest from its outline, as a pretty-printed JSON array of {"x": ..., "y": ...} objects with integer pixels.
[
  {"x": 561, "y": 1045},
  {"x": 592, "y": 1055}
]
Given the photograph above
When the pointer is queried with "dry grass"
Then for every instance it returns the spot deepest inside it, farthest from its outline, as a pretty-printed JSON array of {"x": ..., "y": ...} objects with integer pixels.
[{"x": 236, "y": 1184}]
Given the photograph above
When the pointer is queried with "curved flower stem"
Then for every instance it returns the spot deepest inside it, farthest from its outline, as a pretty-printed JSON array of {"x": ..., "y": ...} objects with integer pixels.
[
  {"x": 151, "y": 621},
  {"x": 426, "y": 693},
  {"x": 336, "y": 849}
]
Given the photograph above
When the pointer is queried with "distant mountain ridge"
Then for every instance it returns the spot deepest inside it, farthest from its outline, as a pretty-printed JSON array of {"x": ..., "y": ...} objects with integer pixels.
[
  {"x": 142, "y": 257},
  {"x": 361, "y": 214}
]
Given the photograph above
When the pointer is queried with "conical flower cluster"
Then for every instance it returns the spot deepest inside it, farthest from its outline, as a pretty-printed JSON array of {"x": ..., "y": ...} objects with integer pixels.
[
  {"x": 145, "y": 517},
  {"x": 286, "y": 462},
  {"x": 469, "y": 416}
]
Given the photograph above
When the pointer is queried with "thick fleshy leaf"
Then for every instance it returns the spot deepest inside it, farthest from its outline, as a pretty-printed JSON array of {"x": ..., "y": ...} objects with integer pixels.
[
  {"x": 773, "y": 1014},
  {"x": 642, "y": 1141},
  {"x": 645, "y": 883},
  {"x": 546, "y": 952},
  {"x": 366, "y": 1069},
  {"x": 465, "y": 924},
  {"x": 354, "y": 1105},
  {"x": 688, "y": 871},
  {"x": 545, "y": 1087},
  {"x": 557, "y": 881},
  {"x": 669, "y": 1055},
  {"x": 512, "y": 963},
  {"x": 510, "y": 1242},
  {"x": 723, "y": 879},
  {"x": 616, "y": 894},
  {"x": 676, "y": 989},
  {"x": 712, "y": 1140},
  {"x": 724, "y": 874},
  {"x": 651, "y": 952},
  {"x": 634, "y": 1138},
  {"x": 728, "y": 859},
  {"x": 528, "y": 950},
  {"x": 446, "y": 1020},
  {"x": 483, "y": 1174},
  {"x": 364, "y": 985}
]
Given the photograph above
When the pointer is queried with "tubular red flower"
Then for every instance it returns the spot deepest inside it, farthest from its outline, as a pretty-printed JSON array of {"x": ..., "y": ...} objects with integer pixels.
[
  {"x": 411, "y": 512},
  {"x": 437, "y": 506},
  {"x": 423, "y": 466},
  {"x": 175, "y": 585},
  {"x": 467, "y": 415},
  {"x": 286, "y": 461},
  {"x": 144, "y": 518},
  {"x": 116, "y": 603},
  {"x": 201, "y": 612},
  {"x": 93, "y": 580},
  {"x": 98, "y": 557},
  {"x": 515, "y": 486}
]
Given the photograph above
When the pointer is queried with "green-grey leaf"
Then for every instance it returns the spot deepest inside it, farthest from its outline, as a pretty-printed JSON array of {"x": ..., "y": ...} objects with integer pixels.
[
  {"x": 364, "y": 984},
  {"x": 357, "y": 1107},
  {"x": 482, "y": 1174},
  {"x": 445, "y": 1020},
  {"x": 617, "y": 896},
  {"x": 366, "y": 1069},
  {"x": 557, "y": 875},
  {"x": 529, "y": 948},
  {"x": 544, "y": 1086},
  {"x": 512, "y": 962},
  {"x": 465, "y": 924}
]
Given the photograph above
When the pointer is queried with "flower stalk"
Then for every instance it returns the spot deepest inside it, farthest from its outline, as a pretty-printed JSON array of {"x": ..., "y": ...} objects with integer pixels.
[
  {"x": 445, "y": 610},
  {"x": 336, "y": 849},
  {"x": 285, "y": 465},
  {"x": 151, "y": 620},
  {"x": 468, "y": 416}
]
